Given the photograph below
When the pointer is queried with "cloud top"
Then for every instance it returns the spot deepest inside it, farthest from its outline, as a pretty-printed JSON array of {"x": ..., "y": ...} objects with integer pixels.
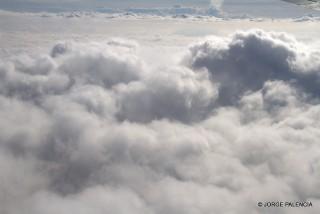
[{"x": 99, "y": 127}]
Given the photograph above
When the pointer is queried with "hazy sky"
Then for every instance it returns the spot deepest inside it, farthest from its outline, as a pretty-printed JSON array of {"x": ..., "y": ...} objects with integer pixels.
[
  {"x": 275, "y": 8},
  {"x": 28, "y": 4}
]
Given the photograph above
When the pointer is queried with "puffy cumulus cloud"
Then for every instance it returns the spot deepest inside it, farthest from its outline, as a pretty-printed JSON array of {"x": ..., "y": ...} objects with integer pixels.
[
  {"x": 60, "y": 49},
  {"x": 175, "y": 93},
  {"x": 245, "y": 61},
  {"x": 98, "y": 128},
  {"x": 29, "y": 78}
]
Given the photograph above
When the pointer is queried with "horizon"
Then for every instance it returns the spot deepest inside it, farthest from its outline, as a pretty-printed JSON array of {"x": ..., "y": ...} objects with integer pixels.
[{"x": 258, "y": 8}]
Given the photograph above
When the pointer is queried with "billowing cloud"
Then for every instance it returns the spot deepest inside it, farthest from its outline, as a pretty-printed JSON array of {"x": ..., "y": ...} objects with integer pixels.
[
  {"x": 247, "y": 60},
  {"x": 100, "y": 128}
]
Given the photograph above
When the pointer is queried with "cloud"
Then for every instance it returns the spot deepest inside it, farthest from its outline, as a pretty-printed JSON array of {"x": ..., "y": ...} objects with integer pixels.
[
  {"x": 100, "y": 127},
  {"x": 247, "y": 60},
  {"x": 173, "y": 93},
  {"x": 217, "y": 3}
]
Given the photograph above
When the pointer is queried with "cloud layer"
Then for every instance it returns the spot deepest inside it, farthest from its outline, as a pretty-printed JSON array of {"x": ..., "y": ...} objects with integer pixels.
[{"x": 98, "y": 128}]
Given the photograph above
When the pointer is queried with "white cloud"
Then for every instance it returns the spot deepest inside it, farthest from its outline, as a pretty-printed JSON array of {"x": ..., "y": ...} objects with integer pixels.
[{"x": 100, "y": 127}]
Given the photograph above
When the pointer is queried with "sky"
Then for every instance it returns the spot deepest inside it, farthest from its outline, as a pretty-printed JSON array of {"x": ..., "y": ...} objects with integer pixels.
[
  {"x": 159, "y": 110},
  {"x": 91, "y": 4},
  {"x": 255, "y": 7}
]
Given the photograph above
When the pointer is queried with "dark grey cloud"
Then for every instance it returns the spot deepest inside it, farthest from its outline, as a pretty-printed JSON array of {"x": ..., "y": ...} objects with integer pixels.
[{"x": 96, "y": 128}]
